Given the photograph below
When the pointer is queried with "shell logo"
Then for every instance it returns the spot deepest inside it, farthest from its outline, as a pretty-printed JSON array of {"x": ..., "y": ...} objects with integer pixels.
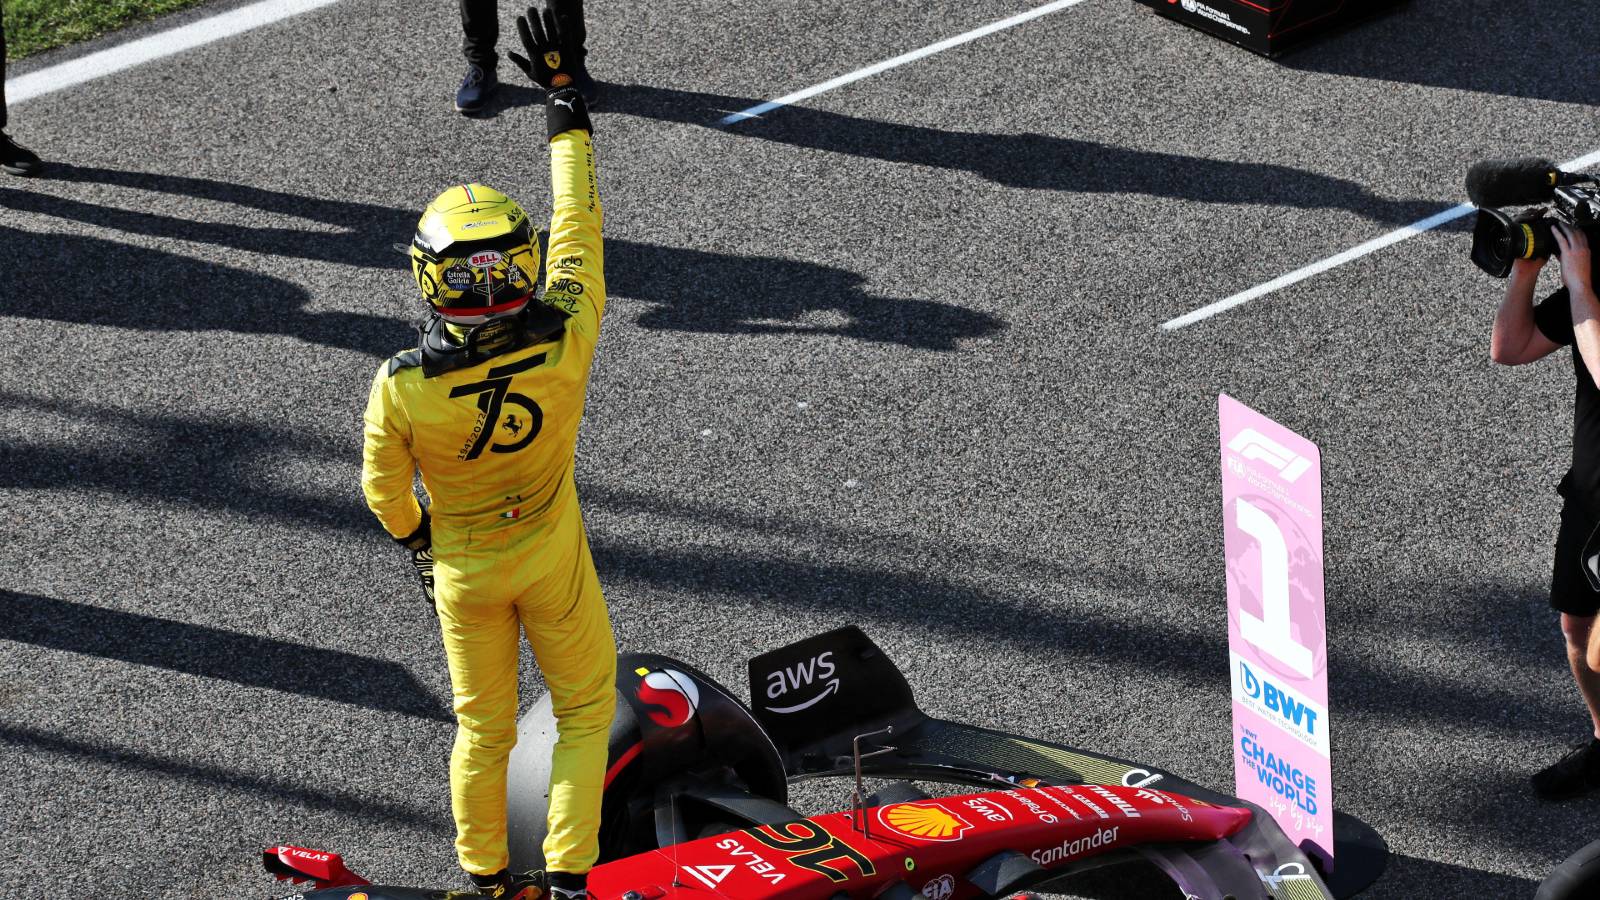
[{"x": 923, "y": 821}]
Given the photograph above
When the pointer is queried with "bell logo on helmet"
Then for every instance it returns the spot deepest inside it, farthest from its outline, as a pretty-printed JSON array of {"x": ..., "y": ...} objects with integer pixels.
[
  {"x": 674, "y": 694},
  {"x": 484, "y": 259}
]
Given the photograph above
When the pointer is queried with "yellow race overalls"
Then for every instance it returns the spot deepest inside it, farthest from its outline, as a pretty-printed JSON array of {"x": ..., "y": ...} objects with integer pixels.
[{"x": 495, "y": 445}]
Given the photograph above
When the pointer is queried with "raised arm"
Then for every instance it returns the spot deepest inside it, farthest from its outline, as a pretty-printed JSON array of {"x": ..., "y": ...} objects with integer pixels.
[{"x": 575, "y": 269}]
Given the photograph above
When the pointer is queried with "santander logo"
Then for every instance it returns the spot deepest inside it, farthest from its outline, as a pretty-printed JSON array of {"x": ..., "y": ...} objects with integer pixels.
[{"x": 674, "y": 695}]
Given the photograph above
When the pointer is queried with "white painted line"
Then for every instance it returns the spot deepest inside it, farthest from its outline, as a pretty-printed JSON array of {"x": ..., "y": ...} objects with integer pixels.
[
  {"x": 162, "y": 44},
  {"x": 900, "y": 60},
  {"x": 1372, "y": 246}
]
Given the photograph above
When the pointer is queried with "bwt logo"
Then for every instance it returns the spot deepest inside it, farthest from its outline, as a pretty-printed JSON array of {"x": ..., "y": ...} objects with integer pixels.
[
  {"x": 1277, "y": 700},
  {"x": 1252, "y": 444}
]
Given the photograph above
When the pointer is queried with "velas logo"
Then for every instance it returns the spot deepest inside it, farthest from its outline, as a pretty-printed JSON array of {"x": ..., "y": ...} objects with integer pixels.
[
  {"x": 674, "y": 695},
  {"x": 483, "y": 260},
  {"x": 924, "y": 821}
]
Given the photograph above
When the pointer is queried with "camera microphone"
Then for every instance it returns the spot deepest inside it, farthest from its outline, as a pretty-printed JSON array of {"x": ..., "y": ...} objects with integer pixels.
[{"x": 1516, "y": 182}]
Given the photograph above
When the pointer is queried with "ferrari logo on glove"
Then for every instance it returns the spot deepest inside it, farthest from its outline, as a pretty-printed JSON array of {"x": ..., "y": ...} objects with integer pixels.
[{"x": 553, "y": 59}]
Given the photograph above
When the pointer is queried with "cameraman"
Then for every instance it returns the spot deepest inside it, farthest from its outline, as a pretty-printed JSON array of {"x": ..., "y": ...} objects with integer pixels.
[{"x": 1523, "y": 333}]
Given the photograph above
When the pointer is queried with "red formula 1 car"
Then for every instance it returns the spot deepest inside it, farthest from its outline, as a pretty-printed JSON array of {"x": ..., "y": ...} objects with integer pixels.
[{"x": 697, "y": 786}]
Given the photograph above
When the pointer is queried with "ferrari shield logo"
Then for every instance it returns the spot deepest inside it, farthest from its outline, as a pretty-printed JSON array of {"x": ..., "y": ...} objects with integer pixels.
[
  {"x": 553, "y": 59},
  {"x": 923, "y": 821}
]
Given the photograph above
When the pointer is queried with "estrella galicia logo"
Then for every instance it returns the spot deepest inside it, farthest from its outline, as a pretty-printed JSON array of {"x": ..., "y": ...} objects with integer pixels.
[{"x": 673, "y": 696}]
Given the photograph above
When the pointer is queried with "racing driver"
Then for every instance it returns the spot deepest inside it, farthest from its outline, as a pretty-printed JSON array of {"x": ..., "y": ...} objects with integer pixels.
[{"x": 487, "y": 408}]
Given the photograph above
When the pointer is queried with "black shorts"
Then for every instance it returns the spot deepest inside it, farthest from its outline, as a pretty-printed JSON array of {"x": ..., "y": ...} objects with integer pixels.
[{"x": 1570, "y": 590}]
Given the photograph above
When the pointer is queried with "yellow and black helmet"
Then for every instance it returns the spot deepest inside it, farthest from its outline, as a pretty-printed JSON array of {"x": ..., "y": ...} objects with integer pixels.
[{"x": 474, "y": 256}]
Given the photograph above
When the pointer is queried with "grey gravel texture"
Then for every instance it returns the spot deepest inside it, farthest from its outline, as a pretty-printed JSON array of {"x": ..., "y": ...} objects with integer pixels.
[{"x": 890, "y": 357}]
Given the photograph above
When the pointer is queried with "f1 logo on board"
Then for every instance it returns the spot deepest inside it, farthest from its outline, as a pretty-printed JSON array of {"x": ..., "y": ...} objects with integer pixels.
[
  {"x": 803, "y": 676},
  {"x": 1254, "y": 445}
]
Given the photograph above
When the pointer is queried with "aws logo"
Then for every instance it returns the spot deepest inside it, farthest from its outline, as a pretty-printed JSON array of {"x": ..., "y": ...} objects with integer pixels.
[
  {"x": 924, "y": 821},
  {"x": 813, "y": 677},
  {"x": 673, "y": 695}
]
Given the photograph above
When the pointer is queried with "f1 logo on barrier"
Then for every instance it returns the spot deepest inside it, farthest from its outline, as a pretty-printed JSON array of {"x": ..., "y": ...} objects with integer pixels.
[{"x": 1253, "y": 445}]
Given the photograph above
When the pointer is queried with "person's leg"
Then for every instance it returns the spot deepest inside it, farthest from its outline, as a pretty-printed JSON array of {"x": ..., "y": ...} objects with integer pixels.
[
  {"x": 570, "y": 631},
  {"x": 2, "y": 67},
  {"x": 480, "y": 642},
  {"x": 480, "y": 32},
  {"x": 14, "y": 158},
  {"x": 1571, "y": 594},
  {"x": 1579, "y": 632}
]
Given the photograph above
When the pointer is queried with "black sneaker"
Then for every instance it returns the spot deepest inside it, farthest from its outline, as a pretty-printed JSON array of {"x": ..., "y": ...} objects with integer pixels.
[
  {"x": 1573, "y": 775},
  {"x": 503, "y": 885},
  {"x": 17, "y": 159},
  {"x": 567, "y": 886},
  {"x": 476, "y": 87}
]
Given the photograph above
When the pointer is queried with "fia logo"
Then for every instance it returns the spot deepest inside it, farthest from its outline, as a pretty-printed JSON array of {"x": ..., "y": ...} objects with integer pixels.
[
  {"x": 940, "y": 888},
  {"x": 782, "y": 682}
]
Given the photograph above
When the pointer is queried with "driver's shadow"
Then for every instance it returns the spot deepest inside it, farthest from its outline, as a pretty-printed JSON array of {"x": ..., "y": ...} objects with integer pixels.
[{"x": 686, "y": 289}]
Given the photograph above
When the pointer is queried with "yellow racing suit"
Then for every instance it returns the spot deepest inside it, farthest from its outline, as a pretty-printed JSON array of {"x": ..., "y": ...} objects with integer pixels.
[{"x": 495, "y": 444}]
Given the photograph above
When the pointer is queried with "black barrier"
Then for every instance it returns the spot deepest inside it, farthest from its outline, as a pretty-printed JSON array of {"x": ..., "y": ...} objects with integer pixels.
[{"x": 1268, "y": 27}]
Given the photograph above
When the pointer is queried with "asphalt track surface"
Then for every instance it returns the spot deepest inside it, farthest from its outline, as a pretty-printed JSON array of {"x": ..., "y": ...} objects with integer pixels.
[{"x": 890, "y": 357}]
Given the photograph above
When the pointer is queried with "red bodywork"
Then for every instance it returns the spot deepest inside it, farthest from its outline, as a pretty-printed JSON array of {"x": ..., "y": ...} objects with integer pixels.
[
  {"x": 301, "y": 864},
  {"x": 929, "y": 844}
]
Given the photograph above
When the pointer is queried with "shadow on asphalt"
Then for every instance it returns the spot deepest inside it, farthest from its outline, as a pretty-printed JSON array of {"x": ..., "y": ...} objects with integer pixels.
[
  {"x": 37, "y": 741},
  {"x": 208, "y": 652},
  {"x": 154, "y": 290},
  {"x": 1509, "y": 50},
  {"x": 132, "y": 454},
  {"x": 1028, "y": 161},
  {"x": 690, "y": 290}
]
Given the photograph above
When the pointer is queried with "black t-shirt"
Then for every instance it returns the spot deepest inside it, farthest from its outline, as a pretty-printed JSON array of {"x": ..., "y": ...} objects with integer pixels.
[{"x": 1553, "y": 315}]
